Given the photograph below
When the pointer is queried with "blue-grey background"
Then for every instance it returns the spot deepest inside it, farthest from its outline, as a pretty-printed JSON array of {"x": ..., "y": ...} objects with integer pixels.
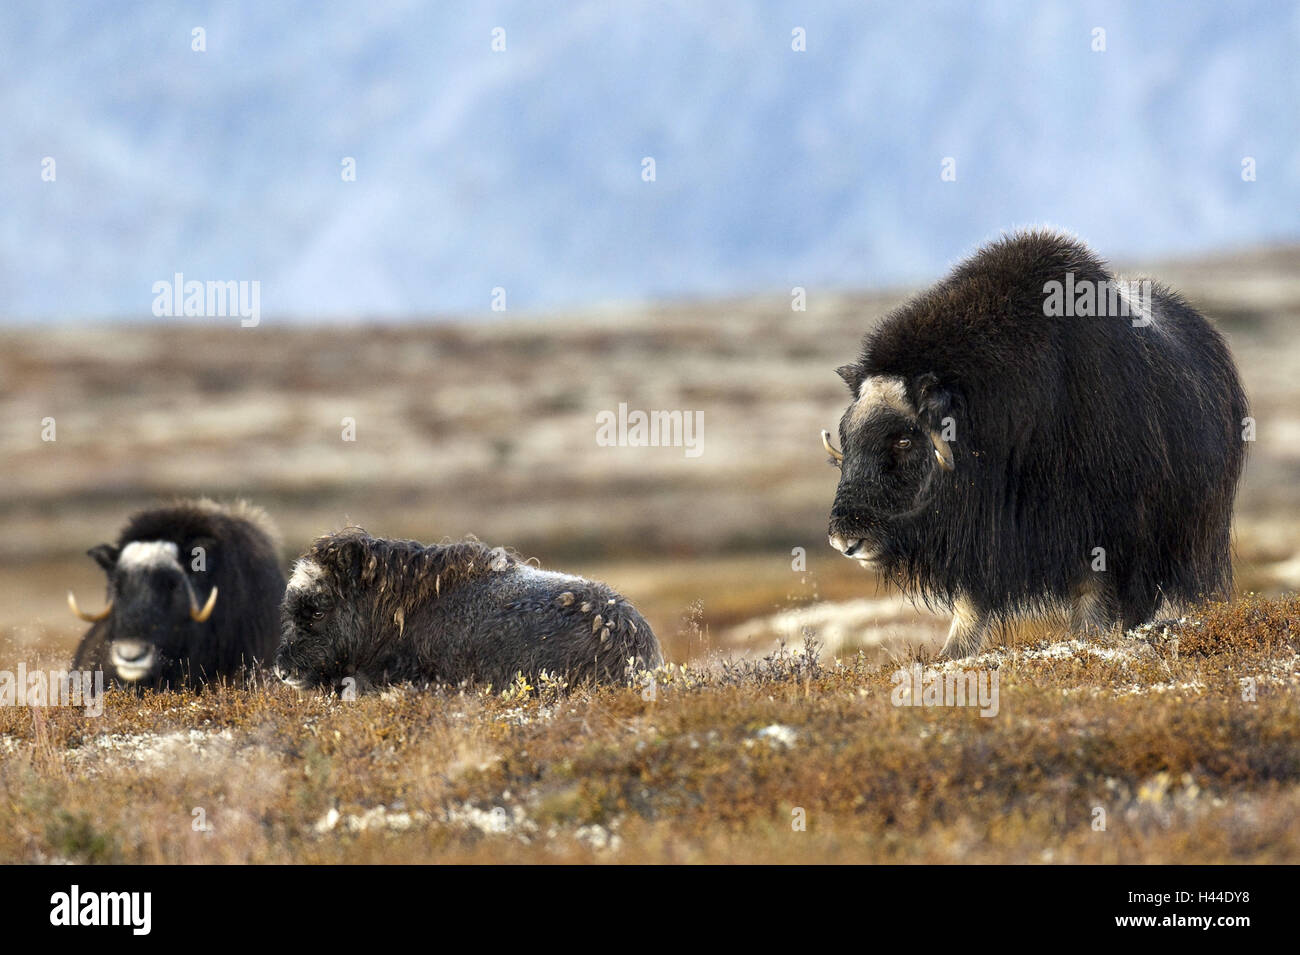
[{"x": 522, "y": 169}]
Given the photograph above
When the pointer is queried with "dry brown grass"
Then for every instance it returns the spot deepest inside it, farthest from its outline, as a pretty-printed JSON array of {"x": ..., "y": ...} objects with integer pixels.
[{"x": 1154, "y": 731}]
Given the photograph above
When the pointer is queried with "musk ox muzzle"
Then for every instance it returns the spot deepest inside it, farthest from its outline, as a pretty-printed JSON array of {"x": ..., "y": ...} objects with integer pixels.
[
  {"x": 1003, "y": 457},
  {"x": 378, "y": 612}
]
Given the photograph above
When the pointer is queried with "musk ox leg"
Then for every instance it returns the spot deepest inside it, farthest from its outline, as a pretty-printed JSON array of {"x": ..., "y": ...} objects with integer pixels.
[
  {"x": 1138, "y": 609},
  {"x": 1092, "y": 607},
  {"x": 1173, "y": 609},
  {"x": 970, "y": 625}
]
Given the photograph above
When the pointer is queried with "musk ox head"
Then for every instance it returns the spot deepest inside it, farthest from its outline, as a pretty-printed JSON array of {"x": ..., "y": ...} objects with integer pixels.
[
  {"x": 153, "y": 614},
  {"x": 192, "y": 595},
  {"x": 893, "y": 436},
  {"x": 321, "y": 624}
]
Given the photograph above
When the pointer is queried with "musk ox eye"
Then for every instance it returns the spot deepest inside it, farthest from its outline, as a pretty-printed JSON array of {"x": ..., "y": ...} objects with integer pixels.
[
  {"x": 310, "y": 614},
  {"x": 902, "y": 444}
]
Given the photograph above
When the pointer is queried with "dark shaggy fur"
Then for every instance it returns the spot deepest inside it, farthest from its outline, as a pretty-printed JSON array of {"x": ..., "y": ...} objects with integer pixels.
[
  {"x": 384, "y": 611},
  {"x": 1067, "y": 434},
  {"x": 150, "y": 620}
]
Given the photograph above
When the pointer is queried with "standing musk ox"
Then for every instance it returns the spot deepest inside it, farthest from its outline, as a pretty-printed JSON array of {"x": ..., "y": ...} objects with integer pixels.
[
  {"x": 384, "y": 611},
  {"x": 180, "y": 616},
  {"x": 1003, "y": 459}
]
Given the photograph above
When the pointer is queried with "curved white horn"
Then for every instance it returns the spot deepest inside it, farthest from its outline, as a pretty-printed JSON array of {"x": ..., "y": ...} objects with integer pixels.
[
  {"x": 89, "y": 617},
  {"x": 200, "y": 616},
  {"x": 942, "y": 452},
  {"x": 830, "y": 448}
]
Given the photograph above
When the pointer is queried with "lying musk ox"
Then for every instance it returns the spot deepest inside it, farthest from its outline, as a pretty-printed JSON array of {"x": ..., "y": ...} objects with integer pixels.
[
  {"x": 384, "y": 611},
  {"x": 1010, "y": 452},
  {"x": 194, "y": 592}
]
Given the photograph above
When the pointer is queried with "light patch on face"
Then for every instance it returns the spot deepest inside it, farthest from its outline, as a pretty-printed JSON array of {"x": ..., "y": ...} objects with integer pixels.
[
  {"x": 306, "y": 576},
  {"x": 142, "y": 555},
  {"x": 881, "y": 391}
]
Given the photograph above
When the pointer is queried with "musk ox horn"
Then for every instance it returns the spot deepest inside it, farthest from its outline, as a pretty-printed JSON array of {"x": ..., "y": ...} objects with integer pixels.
[
  {"x": 942, "y": 452},
  {"x": 200, "y": 616},
  {"x": 89, "y": 617},
  {"x": 830, "y": 448}
]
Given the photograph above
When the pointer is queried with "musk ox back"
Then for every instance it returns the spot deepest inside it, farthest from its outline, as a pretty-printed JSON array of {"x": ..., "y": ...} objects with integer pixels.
[
  {"x": 1032, "y": 434},
  {"x": 382, "y": 611},
  {"x": 194, "y": 591}
]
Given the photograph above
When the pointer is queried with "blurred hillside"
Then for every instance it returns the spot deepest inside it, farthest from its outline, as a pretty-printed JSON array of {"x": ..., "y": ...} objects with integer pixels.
[{"x": 491, "y": 429}]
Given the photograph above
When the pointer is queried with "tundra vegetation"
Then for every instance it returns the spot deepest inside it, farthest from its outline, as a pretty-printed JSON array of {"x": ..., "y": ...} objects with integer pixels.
[{"x": 1183, "y": 745}]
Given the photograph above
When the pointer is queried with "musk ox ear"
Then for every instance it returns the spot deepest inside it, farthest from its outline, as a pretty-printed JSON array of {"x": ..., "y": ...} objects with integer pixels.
[
  {"x": 934, "y": 405},
  {"x": 346, "y": 555},
  {"x": 852, "y": 375},
  {"x": 105, "y": 555}
]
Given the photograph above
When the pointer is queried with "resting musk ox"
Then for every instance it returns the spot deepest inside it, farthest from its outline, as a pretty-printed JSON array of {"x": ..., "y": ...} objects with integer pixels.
[
  {"x": 194, "y": 592},
  {"x": 1010, "y": 452},
  {"x": 384, "y": 611}
]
